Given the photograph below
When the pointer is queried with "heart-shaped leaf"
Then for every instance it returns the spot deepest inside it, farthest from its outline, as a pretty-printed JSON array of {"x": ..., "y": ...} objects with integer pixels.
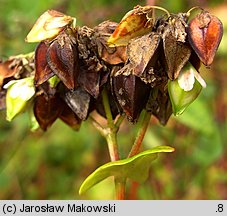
[
  {"x": 135, "y": 168},
  {"x": 135, "y": 23},
  {"x": 205, "y": 32},
  {"x": 42, "y": 69},
  {"x": 131, "y": 93}
]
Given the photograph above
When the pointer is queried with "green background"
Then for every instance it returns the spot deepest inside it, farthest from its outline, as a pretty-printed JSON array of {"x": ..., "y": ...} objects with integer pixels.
[{"x": 52, "y": 165}]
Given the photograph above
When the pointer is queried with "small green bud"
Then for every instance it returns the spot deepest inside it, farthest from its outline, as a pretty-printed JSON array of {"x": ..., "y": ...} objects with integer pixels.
[
  {"x": 185, "y": 89},
  {"x": 19, "y": 92}
]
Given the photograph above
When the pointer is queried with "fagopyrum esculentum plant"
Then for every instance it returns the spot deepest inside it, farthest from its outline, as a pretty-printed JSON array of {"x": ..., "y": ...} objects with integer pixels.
[{"x": 143, "y": 66}]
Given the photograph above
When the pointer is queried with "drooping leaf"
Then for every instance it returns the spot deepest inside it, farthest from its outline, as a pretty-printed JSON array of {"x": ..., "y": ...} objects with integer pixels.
[
  {"x": 48, "y": 26},
  {"x": 79, "y": 101},
  {"x": 131, "y": 93},
  {"x": 135, "y": 168},
  {"x": 135, "y": 23},
  {"x": 205, "y": 32},
  {"x": 42, "y": 69},
  {"x": 47, "y": 109},
  {"x": 62, "y": 57}
]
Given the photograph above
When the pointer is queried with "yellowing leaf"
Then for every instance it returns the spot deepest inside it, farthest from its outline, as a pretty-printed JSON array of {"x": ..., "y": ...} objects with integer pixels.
[
  {"x": 135, "y": 23},
  {"x": 48, "y": 26}
]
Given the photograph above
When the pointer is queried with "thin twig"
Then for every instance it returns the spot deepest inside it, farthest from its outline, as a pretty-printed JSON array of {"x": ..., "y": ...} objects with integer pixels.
[{"x": 141, "y": 133}]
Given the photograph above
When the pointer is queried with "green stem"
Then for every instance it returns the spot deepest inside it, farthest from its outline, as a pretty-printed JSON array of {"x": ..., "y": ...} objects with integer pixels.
[
  {"x": 119, "y": 120},
  {"x": 141, "y": 133},
  {"x": 107, "y": 109},
  {"x": 111, "y": 138},
  {"x": 120, "y": 188}
]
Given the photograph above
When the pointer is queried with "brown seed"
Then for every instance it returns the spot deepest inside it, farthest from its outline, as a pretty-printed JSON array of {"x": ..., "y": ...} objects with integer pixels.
[
  {"x": 159, "y": 105},
  {"x": 204, "y": 33},
  {"x": 69, "y": 117},
  {"x": 47, "y": 110},
  {"x": 176, "y": 54},
  {"x": 89, "y": 80},
  {"x": 79, "y": 101},
  {"x": 42, "y": 69},
  {"x": 131, "y": 93},
  {"x": 62, "y": 57},
  {"x": 141, "y": 50}
]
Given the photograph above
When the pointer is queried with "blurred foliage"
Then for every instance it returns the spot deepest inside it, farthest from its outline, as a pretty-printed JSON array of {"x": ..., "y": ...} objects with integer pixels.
[{"x": 52, "y": 165}]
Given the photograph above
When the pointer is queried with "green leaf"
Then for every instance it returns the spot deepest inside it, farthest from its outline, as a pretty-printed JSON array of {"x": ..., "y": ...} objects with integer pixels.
[{"x": 135, "y": 168}]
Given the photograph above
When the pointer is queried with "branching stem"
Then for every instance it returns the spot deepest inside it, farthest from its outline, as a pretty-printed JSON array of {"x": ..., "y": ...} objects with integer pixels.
[{"x": 111, "y": 138}]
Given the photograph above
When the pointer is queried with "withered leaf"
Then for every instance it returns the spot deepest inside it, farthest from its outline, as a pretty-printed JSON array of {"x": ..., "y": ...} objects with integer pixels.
[
  {"x": 70, "y": 118},
  {"x": 42, "y": 69},
  {"x": 78, "y": 100},
  {"x": 131, "y": 93},
  {"x": 6, "y": 70},
  {"x": 176, "y": 54},
  {"x": 205, "y": 32},
  {"x": 111, "y": 55},
  {"x": 115, "y": 56},
  {"x": 62, "y": 57},
  {"x": 47, "y": 110},
  {"x": 135, "y": 23},
  {"x": 140, "y": 51}
]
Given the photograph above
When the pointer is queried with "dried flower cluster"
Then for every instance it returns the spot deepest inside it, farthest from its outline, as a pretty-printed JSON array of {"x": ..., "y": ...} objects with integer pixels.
[{"x": 144, "y": 62}]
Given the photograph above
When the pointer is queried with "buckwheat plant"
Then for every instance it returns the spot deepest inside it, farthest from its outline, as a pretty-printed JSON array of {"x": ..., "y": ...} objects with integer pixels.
[{"x": 145, "y": 65}]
